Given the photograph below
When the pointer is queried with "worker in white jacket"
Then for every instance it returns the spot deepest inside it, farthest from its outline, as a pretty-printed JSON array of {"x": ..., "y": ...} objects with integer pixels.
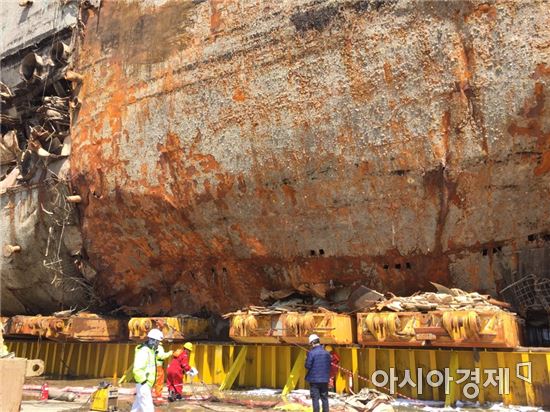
[{"x": 145, "y": 371}]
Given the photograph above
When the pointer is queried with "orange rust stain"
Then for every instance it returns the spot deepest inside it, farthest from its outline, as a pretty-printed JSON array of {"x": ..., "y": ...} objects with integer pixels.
[
  {"x": 542, "y": 70},
  {"x": 207, "y": 162},
  {"x": 534, "y": 108},
  {"x": 487, "y": 9},
  {"x": 544, "y": 166},
  {"x": 239, "y": 95},
  {"x": 533, "y": 111},
  {"x": 445, "y": 127},
  {"x": 253, "y": 243},
  {"x": 388, "y": 76},
  {"x": 225, "y": 184},
  {"x": 360, "y": 88},
  {"x": 143, "y": 169},
  {"x": 215, "y": 16},
  {"x": 169, "y": 81},
  {"x": 290, "y": 192},
  {"x": 462, "y": 71},
  {"x": 241, "y": 184},
  {"x": 531, "y": 129}
]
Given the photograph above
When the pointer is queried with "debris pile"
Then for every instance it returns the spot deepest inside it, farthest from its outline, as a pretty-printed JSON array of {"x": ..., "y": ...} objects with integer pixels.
[
  {"x": 299, "y": 317},
  {"x": 364, "y": 299},
  {"x": 369, "y": 400},
  {"x": 36, "y": 115},
  {"x": 366, "y": 400},
  {"x": 430, "y": 301}
]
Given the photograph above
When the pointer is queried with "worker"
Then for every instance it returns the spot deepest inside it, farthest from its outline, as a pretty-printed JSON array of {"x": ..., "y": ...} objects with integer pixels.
[
  {"x": 334, "y": 366},
  {"x": 177, "y": 367},
  {"x": 145, "y": 371},
  {"x": 318, "y": 362},
  {"x": 159, "y": 383}
]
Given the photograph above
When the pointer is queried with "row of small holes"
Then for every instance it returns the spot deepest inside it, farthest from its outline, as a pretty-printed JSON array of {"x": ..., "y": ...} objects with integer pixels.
[
  {"x": 496, "y": 250},
  {"x": 398, "y": 266},
  {"x": 314, "y": 253},
  {"x": 533, "y": 237}
]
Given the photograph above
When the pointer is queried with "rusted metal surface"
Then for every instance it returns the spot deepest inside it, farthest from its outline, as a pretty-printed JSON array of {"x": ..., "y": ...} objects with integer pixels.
[
  {"x": 178, "y": 328},
  {"x": 480, "y": 329},
  {"x": 44, "y": 326},
  {"x": 229, "y": 147},
  {"x": 226, "y": 146},
  {"x": 81, "y": 328}
]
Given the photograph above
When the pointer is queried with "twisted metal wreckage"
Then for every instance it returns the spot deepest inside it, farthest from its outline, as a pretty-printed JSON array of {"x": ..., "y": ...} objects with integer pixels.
[{"x": 42, "y": 249}]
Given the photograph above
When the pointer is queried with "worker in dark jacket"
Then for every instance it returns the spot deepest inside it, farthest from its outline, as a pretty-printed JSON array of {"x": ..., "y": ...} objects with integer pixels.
[{"x": 318, "y": 373}]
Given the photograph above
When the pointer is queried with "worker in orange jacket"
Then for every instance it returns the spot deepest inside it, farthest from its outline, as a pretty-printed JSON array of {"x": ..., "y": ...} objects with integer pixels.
[
  {"x": 177, "y": 367},
  {"x": 334, "y": 366},
  {"x": 161, "y": 355}
]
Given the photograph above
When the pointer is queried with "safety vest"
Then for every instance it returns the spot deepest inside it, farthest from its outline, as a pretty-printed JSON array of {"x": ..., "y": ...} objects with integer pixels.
[{"x": 144, "y": 365}]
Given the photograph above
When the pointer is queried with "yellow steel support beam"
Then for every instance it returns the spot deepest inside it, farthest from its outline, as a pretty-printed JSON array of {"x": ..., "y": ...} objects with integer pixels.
[
  {"x": 451, "y": 396},
  {"x": 371, "y": 364},
  {"x": 528, "y": 387},
  {"x": 297, "y": 371},
  {"x": 234, "y": 369},
  {"x": 479, "y": 366},
  {"x": 433, "y": 366},
  {"x": 282, "y": 366},
  {"x": 217, "y": 376},
  {"x": 273, "y": 367},
  {"x": 355, "y": 369},
  {"x": 412, "y": 370},
  {"x": 258, "y": 361},
  {"x": 502, "y": 387}
]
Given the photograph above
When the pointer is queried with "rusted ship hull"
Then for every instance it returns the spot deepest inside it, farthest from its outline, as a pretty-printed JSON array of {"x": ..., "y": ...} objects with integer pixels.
[{"x": 226, "y": 147}]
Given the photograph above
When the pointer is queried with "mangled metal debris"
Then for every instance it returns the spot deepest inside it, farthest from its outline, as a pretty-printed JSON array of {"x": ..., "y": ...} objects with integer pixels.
[
  {"x": 368, "y": 400},
  {"x": 9, "y": 148},
  {"x": 429, "y": 301},
  {"x": 38, "y": 112},
  {"x": 531, "y": 292},
  {"x": 36, "y": 116}
]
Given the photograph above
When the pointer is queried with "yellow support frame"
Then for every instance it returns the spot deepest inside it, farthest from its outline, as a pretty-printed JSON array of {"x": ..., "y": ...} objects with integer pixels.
[
  {"x": 234, "y": 370},
  {"x": 282, "y": 366},
  {"x": 298, "y": 371}
]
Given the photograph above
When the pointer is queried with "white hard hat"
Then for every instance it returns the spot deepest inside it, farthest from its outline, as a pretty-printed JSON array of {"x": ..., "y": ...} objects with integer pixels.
[
  {"x": 155, "y": 334},
  {"x": 313, "y": 337}
]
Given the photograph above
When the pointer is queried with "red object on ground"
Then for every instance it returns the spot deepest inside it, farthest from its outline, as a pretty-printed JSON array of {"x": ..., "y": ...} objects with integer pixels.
[
  {"x": 334, "y": 366},
  {"x": 177, "y": 367},
  {"x": 159, "y": 383},
  {"x": 44, "y": 392}
]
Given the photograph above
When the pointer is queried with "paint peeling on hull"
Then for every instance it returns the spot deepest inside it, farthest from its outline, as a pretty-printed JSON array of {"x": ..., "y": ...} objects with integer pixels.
[
  {"x": 228, "y": 146},
  {"x": 309, "y": 145}
]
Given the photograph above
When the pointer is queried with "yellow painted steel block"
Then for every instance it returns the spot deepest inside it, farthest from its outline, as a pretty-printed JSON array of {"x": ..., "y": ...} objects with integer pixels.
[
  {"x": 82, "y": 328},
  {"x": 174, "y": 328},
  {"x": 257, "y": 328},
  {"x": 93, "y": 328},
  {"x": 332, "y": 328},
  {"x": 465, "y": 328},
  {"x": 43, "y": 326}
]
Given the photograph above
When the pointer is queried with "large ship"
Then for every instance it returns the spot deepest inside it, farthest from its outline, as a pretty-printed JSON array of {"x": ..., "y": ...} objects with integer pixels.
[{"x": 224, "y": 151}]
